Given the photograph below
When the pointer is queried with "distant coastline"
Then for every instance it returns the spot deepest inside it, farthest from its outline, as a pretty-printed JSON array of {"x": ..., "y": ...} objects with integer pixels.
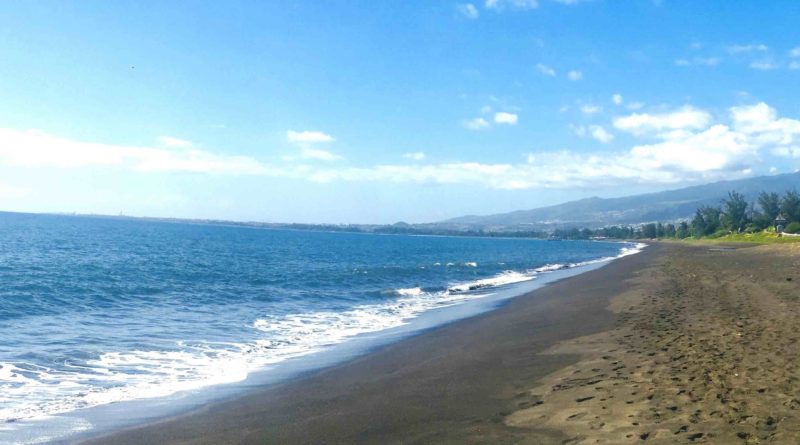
[
  {"x": 623, "y": 218},
  {"x": 399, "y": 228}
]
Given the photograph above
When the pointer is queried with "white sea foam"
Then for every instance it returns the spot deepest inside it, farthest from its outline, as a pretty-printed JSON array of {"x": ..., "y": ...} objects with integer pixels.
[
  {"x": 624, "y": 251},
  {"x": 412, "y": 291},
  {"x": 117, "y": 376},
  {"x": 550, "y": 268},
  {"x": 43, "y": 429},
  {"x": 507, "y": 277},
  {"x": 29, "y": 392}
]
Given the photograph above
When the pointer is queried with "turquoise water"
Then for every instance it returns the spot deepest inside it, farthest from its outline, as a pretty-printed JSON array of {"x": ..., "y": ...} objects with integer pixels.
[{"x": 97, "y": 311}]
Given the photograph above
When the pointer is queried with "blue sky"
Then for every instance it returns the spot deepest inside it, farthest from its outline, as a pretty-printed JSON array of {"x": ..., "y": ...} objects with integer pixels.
[{"x": 364, "y": 111}]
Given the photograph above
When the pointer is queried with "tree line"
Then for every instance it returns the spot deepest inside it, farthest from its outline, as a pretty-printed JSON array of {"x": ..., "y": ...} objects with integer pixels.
[{"x": 734, "y": 215}]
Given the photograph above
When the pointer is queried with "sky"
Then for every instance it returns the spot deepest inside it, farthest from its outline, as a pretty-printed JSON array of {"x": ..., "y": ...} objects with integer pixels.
[{"x": 375, "y": 112}]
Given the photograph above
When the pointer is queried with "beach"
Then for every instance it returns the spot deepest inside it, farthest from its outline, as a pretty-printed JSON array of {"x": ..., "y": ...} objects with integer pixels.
[
  {"x": 539, "y": 222},
  {"x": 135, "y": 333},
  {"x": 677, "y": 344},
  {"x": 452, "y": 384}
]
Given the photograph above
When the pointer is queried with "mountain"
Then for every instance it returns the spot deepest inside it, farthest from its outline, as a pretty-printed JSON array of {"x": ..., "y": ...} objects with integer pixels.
[{"x": 662, "y": 206}]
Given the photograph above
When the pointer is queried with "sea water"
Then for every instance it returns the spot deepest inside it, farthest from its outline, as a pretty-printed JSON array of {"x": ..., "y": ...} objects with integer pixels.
[{"x": 97, "y": 311}]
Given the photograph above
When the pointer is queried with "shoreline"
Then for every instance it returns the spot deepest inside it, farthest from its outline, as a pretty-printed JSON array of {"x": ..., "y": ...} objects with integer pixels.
[
  {"x": 274, "y": 414},
  {"x": 121, "y": 416},
  {"x": 142, "y": 407}
]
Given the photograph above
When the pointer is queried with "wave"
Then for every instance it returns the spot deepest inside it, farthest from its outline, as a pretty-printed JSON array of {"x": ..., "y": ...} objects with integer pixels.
[
  {"x": 410, "y": 292},
  {"x": 503, "y": 278},
  {"x": 30, "y": 391},
  {"x": 624, "y": 251}
]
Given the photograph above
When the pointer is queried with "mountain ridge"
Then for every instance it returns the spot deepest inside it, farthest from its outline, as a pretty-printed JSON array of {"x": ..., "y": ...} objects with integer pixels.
[{"x": 668, "y": 205}]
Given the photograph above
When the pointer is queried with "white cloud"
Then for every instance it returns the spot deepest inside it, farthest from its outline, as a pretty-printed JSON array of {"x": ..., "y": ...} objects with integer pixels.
[
  {"x": 525, "y": 4},
  {"x": 519, "y": 4},
  {"x": 794, "y": 52},
  {"x": 308, "y": 137},
  {"x": 599, "y": 133},
  {"x": 794, "y": 65},
  {"x": 762, "y": 127},
  {"x": 763, "y": 65},
  {"x": 546, "y": 70},
  {"x": 169, "y": 141},
  {"x": 678, "y": 146},
  {"x": 574, "y": 75},
  {"x": 468, "y": 10},
  {"x": 562, "y": 169},
  {"x": 478, "y": 123},
  {"x": 590, "y": 109},
  {"x": 682, "y": 119},
  {"x": 691, "y": 146},
  {"x": 319, "y": 155},
  {"x": 706, "y": 61},
  {"x": 617, "y": 99},
  {"x": 787, "y": 152},
  {"x": 506, "y": 118},
  {"x": 551, "y": 169},
  {"x": 635, "y": 106},
  {"x": 717, "y": 148},
  {"x": 33, "y": 148},
  {"x": 415, "y": 156},
  {"x": 756, "y": 47},
  {"x": 596, "y": 132}
]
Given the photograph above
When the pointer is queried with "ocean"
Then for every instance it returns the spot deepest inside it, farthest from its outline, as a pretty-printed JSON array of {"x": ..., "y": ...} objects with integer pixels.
[{"x": 98, "y": 312}]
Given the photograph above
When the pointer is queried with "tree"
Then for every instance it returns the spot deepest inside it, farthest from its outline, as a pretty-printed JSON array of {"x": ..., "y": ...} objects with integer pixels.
[
  {"x": 669, "y": 231},
  {"x": 735, "y": 212},
  {"x": 683, "y": 230},
  {"x": 790, "y": 206},
  {"x": 792, "y": 227},
  {"x": 618, "y": 232},
  {"x": 699, "y": 225},
  {"x": 649, "y": 231},
  {"x": 770, "y": 204},
  {"x": 706, "y": 221}
]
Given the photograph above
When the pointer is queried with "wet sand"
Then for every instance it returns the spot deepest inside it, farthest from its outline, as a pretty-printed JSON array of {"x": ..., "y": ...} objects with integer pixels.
[{"x": 678, "y": 344}]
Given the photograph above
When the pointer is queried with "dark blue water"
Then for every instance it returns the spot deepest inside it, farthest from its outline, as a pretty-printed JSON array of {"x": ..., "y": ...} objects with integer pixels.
[{"x": 96, "y": 311}]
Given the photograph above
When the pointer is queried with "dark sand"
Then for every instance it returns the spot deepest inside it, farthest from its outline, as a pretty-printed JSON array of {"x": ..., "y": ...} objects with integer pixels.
[
  {"x": 454, "y": 384},
  {"x": 705, "y": 350}
]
